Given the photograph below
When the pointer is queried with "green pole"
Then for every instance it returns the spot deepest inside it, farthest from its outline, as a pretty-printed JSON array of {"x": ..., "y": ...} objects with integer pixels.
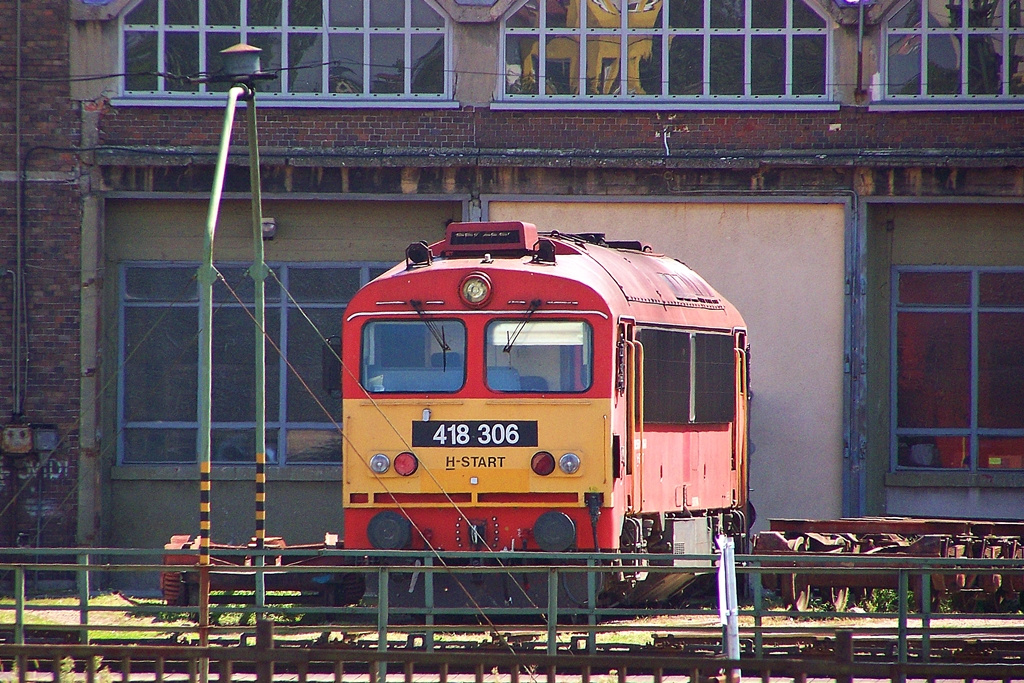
[
  {"x": 207, "y": 275},
  {"x": 258, "y": 272}
]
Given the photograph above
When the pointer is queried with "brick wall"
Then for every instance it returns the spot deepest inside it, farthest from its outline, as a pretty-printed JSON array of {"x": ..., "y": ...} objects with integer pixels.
[
  {"x": 37, "y": 500},
  {"x": 470, "y": 128}
]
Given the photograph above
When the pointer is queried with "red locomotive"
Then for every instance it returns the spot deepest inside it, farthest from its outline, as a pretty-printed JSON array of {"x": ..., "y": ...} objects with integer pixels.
[{"x": 506, "y": 389}]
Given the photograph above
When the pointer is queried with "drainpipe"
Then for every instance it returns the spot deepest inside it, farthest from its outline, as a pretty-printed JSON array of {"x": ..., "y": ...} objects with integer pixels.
[
  {"x": 860, "y": 49},
  {"x": 18, "y": 299}
]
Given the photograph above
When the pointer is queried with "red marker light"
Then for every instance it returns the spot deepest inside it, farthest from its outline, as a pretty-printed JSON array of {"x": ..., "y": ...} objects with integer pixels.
[
  {"x": 406, "y": 463},
  {"x": 542, "y": 463}
]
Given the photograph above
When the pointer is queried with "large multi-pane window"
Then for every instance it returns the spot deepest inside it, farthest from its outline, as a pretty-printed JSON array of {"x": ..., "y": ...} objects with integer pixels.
[
  {"x": 335, "y": 49},
  {"x": 158, "y": 406},
  {"x": 666, "y": 49},
  {"x": 959, "y": 369},
  {"x": 962, "y": 49}
]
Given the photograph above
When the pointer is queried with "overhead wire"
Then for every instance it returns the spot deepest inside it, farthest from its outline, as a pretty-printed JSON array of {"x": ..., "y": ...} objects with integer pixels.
[
  {"x": 182, "y": 298},
  {"x": 397, "y": 432},
  {"x": 206, "y": 76},
  {"x": 382, "y": 482}
]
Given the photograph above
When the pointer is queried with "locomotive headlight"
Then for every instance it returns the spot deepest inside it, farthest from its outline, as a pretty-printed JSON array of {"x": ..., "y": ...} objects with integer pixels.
[
  {"x": 406, "y": 463},
  {"x": 569, "y": 463},
  {"x": 475, "y": 289},
  {"x": 380, "y": 463}
]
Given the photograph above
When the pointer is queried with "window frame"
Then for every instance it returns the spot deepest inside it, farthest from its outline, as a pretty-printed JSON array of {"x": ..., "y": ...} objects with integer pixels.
[
  {"x": 284, "y": 305},
  {"x": 964, "y": 33},
  {"x": 624, "y": 33},
  {"x": 205, "y": 96},
  {"x": 974, "y": 309}
]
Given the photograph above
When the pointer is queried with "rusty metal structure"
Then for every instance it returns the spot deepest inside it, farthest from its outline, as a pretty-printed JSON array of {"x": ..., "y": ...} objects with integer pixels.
[{"x": 892, "y": 539}]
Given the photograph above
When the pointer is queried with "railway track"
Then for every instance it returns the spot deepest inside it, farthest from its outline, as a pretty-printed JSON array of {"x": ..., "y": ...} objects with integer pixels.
[{"x": 819, "y": 640}]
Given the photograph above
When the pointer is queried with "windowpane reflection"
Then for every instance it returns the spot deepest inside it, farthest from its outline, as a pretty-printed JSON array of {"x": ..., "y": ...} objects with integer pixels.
[
  {"x": 727, "y": 60},
  {"x": 602, "y": 65},
  {"x": 304, "y": 59},
  {"x": 644, "y": 75},
  {"x": 933, "y": 353},
  {"x": 767, "y": 65},
  {"x": 427, "y": 64},
  {"x": 943, "y": 65},
  {"x": 984, "y": 65},
  {"x": 904, "y": 65},
  {"x": 346, "y": 69},
  {"x": 1001, "y": 370},
  {"x": 521, "y": 64},
  {"x": 560, "y": 66},
  {"x": 686, "y": 65}
]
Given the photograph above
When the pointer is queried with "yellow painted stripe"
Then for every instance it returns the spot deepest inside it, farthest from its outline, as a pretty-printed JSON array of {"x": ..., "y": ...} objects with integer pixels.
[
  {"x": 204, "y": 467},
  {"x": 261, "y": 478},
  {"x": 260, "y": 514}
]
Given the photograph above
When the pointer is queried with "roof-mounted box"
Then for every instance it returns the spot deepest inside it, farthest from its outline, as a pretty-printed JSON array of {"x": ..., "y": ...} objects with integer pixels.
[{"x": 497, "y": 237}]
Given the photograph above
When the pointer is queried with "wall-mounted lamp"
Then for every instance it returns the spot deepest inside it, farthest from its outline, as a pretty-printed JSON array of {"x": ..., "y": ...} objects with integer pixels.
[{"x": 268, "y": 227}]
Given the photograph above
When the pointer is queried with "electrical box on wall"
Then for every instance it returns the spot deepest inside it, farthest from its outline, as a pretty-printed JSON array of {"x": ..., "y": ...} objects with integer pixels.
[
  {"x": 21, "y": 439},
  {"x": 45, "y": 438},
  {"x": 16, "y": 439}
]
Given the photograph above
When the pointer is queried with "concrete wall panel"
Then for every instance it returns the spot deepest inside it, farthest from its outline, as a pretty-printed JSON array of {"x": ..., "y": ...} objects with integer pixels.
[{"x": 782, "y": 265}]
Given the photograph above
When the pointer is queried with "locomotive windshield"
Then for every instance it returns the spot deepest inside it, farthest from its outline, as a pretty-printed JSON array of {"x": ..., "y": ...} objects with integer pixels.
[
  {"x": 401, "y": 356},
  {"x": 553, "y": 356}
]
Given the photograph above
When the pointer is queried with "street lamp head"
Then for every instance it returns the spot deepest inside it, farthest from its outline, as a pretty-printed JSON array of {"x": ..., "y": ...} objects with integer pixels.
[{"x": 241, "y": 63}]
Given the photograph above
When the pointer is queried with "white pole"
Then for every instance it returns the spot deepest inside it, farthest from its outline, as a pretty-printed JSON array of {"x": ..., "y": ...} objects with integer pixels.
[{"x": 728, "y": 608}]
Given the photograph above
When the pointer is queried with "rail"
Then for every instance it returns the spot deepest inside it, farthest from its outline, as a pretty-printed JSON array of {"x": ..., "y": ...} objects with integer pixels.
[{"x": 906, "y": 630}]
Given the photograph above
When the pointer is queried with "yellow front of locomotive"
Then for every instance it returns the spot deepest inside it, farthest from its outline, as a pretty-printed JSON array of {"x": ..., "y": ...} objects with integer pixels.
[{"x": 477, "y": 403}]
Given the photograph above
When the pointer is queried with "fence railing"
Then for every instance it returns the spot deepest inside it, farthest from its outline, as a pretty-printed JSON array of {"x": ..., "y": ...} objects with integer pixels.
[
  {"x": 267, "y": 661},
  {"x": 586, "y": 623}
]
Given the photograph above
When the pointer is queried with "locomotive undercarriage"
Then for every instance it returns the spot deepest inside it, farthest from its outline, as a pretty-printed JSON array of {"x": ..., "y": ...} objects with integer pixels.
[
  {"x": 674, "y": 534},
  {"x": 639, "y": 578}
]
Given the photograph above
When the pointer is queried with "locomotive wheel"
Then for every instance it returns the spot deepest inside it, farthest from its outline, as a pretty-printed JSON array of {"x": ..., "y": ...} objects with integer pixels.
[
  {"x": 348, "y": 591},
  {"x": 936, "y": 592},
  {"x": 840, "y": 597},
  {"x": 795, "y": 592}
]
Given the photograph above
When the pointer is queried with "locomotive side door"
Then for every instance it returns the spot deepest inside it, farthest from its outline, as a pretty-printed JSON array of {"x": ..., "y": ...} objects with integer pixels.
[{"x": 631, "y": 385}]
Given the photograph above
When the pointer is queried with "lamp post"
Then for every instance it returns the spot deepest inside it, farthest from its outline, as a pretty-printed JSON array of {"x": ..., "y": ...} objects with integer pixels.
[{"x": 242, "y": 68}]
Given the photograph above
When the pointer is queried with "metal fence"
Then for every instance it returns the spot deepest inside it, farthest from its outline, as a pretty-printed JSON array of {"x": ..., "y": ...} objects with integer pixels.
[
  {"x": 266, "y": 662},
  {"x": 905, "y": 631}
]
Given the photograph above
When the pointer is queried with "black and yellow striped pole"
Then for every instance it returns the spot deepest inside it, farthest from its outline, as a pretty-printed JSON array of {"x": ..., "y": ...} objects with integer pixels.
[
  {"x": 241, "y": 65},
  {"x": 258, "y": 272}
]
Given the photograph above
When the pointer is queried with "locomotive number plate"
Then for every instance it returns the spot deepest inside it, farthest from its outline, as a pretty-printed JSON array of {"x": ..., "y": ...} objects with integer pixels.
[{"x": 474, "y": 433}]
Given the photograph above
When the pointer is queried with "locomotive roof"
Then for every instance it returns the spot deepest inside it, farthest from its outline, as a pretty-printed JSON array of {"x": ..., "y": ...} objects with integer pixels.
[{"x": 627, "y": 275}]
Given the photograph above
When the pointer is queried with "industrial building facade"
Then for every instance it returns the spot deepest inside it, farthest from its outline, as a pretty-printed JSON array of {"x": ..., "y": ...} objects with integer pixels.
[{"x": 850, "y": 175}]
